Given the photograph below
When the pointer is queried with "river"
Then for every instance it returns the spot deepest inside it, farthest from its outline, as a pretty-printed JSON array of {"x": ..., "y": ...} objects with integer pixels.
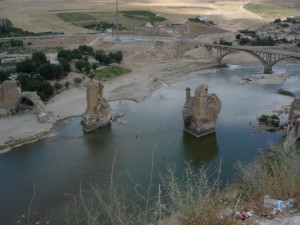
[{"x": 57, "y": 165}]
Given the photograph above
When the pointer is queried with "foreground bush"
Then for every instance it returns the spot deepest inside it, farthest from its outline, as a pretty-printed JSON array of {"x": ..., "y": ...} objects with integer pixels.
[{"x": 276, "y": 175}]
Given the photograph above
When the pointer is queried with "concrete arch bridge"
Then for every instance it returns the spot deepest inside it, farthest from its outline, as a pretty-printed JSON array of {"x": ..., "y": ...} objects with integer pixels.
[{"x": 267, "y": 57}]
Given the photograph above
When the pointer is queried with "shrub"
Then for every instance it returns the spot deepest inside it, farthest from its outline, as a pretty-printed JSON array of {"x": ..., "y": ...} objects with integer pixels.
[
  {"x": 263, "y": 118},
  {"x": 57, "y": 86},
  {"x": 77, "y": 80},
  {"x": 276, "y": 175},
  {"x": 99, "y": 56},
  {"x": 16, "y": 43},
  {"x": 94, "y": 66},
  {"x": 285, "y": 92},
  {"x": 298, "y": 44},
  {"x": 277, "y": 20},
  {"x": 67, "y": 84},
  {"x": 79, "y": 65},
  {"x": 238, "y": 36},
  {"x": 107, "y": 60},
  {"x": 244, "y": 41},
  {"x": 224, "y": 42},
  {"x": 118, "y": 56}
]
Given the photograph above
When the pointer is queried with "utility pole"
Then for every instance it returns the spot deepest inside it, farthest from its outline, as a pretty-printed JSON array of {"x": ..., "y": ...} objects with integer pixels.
[{"x": 117, "y": 22}]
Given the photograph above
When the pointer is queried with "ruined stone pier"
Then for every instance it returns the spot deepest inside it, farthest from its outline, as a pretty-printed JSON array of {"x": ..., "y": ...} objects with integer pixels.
[
  {"x": 98, "y": 112},
  {"x": 200, "y": 112}
]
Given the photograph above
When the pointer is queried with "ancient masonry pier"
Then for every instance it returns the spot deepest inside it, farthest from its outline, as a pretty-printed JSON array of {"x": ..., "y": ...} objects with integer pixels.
[
  {"x": 98, "y": 112},
  {"x": 200, "y": 112}
]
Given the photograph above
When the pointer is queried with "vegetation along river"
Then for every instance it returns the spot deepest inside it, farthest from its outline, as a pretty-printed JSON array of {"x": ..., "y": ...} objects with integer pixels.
[{"x": 57, "y": 165}]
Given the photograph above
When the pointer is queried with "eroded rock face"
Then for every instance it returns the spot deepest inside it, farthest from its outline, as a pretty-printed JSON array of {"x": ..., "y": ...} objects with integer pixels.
[
  {"x": 200, "y": 112},
  {"x": 98, "y": 112},
  {"x": 293, "y": 131}
]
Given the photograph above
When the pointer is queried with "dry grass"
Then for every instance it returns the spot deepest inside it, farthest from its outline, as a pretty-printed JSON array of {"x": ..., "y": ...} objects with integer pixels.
[{"x": 276, "y": 175}]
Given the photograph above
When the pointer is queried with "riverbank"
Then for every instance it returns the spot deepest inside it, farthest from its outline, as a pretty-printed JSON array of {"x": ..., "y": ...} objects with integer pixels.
[{"x": 136, "y": 86}]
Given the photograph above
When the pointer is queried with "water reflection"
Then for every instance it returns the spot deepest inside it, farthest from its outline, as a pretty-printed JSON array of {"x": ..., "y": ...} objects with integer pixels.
[{"x": 200, "y": 150}]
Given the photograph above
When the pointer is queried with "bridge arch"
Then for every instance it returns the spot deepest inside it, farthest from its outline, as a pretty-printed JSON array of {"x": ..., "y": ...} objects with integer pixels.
[
  {"x": 32, "y": 99},
  {"x": 267, "y": 59}
]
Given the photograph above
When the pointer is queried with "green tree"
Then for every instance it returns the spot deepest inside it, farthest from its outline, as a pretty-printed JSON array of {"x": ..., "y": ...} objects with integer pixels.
[
  {"x": 65, "y": 64},
  {"x": 64, "y": 54},
  {"x": 39, "y": 57},
  {"x": 26, "y": 66},
  {"x": 94, "y": 66},
  {"x": 106, "y": 60},
  {"x": 119, "y": 56},
  {"x": 76, "y": 54},
  {"x": 79, "y": 65},
  {"x": 87, "y": 66},
  {"x": 99, "y": 56},
  {"x": 51, "y": 71},
  {"x": 3, "y": 75},
  {"x": 111, "y": 55},
  {"x": 244, "y": 41},
  {"x": 238, "y": 36},
  {"x": 5, "y": 26},
  {"x": 34, "y": 83},
  {"x": 86, "y": 49}
]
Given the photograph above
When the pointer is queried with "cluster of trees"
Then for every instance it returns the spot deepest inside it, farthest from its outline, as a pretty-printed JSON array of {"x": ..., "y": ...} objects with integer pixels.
[
  {"x": 102, "y": 26},
  {"x": 143, "y": 15},
  {"x": 109, "y": 58},
  {"x": 255, "y": 41},
  {"x": 82, "y": 54},
  {"x": 35, "y": 73},
  {"x": 38, "y": 64},
  {"x": 33, "y": 82},
  {"x": 224, "y": 42},
  {"x": 8, "y": 30}
]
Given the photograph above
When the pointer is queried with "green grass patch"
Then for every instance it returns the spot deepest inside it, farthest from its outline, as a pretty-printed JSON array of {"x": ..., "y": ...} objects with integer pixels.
[
  {"x": 76, "y": 17},
  {"x": 273, "y": 11},
  {"x": 109, "y": 72},
  {"x": 285, "y": 92},
  {"x": 21, "y": 141},
  {"x": 143, "y": 15},
  {"x": 103, "y": 20}
]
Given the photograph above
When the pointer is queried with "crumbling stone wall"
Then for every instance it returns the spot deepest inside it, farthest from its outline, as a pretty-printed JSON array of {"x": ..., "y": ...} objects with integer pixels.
[{"x": 200, "y": 112}]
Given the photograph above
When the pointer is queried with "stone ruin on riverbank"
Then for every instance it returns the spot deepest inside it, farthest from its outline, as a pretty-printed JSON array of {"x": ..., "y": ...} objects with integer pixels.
[
  {"x": 98, "y": 112},
  {"x": 12, "y": 100},
  {"x": 293, "y": 131},
  {"x": 200, "y": 112}
]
